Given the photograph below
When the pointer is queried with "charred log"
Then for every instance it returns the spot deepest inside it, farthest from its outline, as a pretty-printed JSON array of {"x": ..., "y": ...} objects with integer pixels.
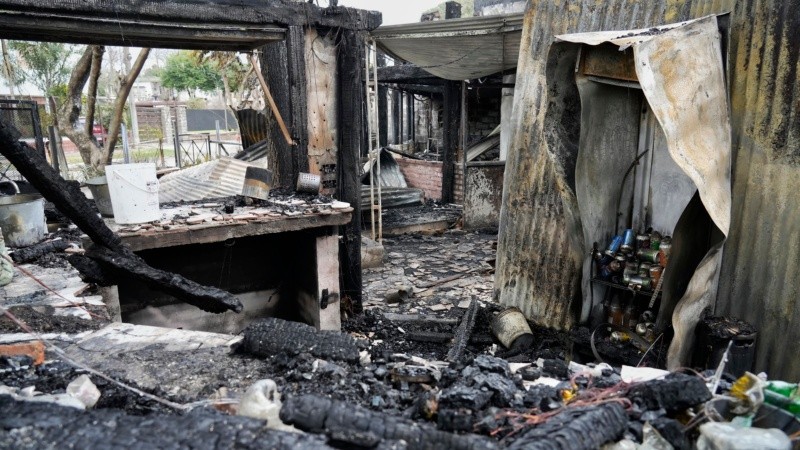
[
  {"x": 674, "y": 393},
  {"x": 322, "y": 415},
  {"x": 271, "y": 336},
  {"x": 584, "y": 428},
  {"x": 109, "y": 251},
  {"x": 44, "y": 425},
  {"x": 91, "y": 271},
  {"x": 463, "y": 332},
  {"x": 36, "y": 251},
  {"x": 67, "y": 197},
  {"x": 209, "y": 299}
]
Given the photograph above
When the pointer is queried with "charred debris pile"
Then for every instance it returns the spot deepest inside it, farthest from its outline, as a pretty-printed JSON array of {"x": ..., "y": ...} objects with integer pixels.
[{"x": 371, "y": 387}]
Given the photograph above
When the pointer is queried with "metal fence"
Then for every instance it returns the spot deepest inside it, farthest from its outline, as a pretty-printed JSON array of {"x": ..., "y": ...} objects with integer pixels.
[{"x": 22, "y": 116}]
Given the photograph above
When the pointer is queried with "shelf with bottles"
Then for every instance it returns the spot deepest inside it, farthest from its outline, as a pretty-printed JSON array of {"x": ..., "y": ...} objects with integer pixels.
[{"x": 632, "y": 261}]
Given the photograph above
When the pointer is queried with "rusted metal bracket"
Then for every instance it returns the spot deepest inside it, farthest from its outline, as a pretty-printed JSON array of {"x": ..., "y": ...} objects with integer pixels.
[{"x": 327, "y": 298}]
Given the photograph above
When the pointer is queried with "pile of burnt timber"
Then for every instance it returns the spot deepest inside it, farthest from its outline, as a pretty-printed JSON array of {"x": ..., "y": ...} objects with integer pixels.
[{"x": 109, "y": 254}]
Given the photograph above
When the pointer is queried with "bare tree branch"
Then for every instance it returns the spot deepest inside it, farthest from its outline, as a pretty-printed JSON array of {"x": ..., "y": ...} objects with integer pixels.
[
  {"x": 119, "y": 104},
  {"x": 67, "y": 115},
  {"x": 94, "y": 75}
]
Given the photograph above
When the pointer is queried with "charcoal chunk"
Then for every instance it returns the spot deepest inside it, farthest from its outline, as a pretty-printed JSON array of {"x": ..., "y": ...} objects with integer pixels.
[
  {"x": 271, "y": 336},
  {"x": 488, "y": 363},
  {"x": 675, "y": 393},
  {"x": 543, "y": 398},
  {"x": 555, "y": 368},
  {"x": 504, "y": 389},
  {"x": 530, "y": 373},
  {"x": 584, "y": 428},
  {"x": 460, "y": 396}
]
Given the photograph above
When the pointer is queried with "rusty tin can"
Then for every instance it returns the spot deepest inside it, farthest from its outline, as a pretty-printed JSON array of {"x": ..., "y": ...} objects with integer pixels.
[
  {"x": 639, "y": 282},
  {"x": 655, "y": 273},
  {"x": 627, "y": 241},
  {"x": 642, "y": 241},
  {"x": 631, "y": 269},
  {"x": 648, "y": 255},
  {"x": 614, "y": 246},
  {"x": 509, "y": 325},
  {"x": 644, "y": 269},
  {"x": 655, "y": 240}
]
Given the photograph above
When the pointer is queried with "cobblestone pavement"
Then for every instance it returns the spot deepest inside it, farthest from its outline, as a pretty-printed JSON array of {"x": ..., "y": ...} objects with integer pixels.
[{"x": 415, "y": 263}]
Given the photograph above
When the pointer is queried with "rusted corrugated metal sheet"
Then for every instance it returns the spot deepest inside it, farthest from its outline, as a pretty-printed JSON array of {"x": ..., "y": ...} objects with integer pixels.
[
  {"x": 761, "y": 265},
  {"x": 539, "y": 250}
]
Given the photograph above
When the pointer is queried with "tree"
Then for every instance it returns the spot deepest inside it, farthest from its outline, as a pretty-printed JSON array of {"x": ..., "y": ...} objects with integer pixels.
[
  {"x": 88, "y": 68},
  {"x": 239, "y": 83},
  {"x": 44, "y": 64},
  {"x": 183, "y": 71}
]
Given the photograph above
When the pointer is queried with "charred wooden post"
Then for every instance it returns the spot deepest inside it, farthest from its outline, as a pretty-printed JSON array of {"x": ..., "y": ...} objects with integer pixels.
[
  {"x": 397, "y": 123},
  {"x": 352, "y": 139},
  {"x": 452, "y": 116},
  {"x": 452, "y": 10},
  {"x": 383, "y": 107},
  {"x": 283, "y": 66},
  {"x": 109, "y": 250}
]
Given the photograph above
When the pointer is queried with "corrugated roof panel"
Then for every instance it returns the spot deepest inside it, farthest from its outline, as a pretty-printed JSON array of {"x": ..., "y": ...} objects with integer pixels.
[{"x": 456, "y": 49}]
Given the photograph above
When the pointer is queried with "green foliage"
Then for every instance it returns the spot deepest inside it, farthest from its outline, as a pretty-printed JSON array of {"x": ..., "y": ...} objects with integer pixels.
[
  {"x": 196, "y": 103},
  {"x": 47, "y": 65},
  {"x": 184, "y": 72}
]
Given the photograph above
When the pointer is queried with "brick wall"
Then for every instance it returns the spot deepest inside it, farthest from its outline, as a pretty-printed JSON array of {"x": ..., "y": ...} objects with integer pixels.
[
  {"x": 458, "y": 187},
  {"x": 425, "y": 175}
]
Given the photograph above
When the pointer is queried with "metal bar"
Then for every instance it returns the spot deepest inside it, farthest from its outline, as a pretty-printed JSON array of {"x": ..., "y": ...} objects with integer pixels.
[
  {"x": 176, "y": 144},
  {"x": 216, "y": 122},
  {"x": 126, "y": 151},
  {"x": 53, "y": 148},
  {"x": 370, "y": 152}
]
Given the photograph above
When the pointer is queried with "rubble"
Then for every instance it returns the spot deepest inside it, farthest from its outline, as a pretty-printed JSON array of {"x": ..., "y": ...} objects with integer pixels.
[{"x": 360, "y": 427}]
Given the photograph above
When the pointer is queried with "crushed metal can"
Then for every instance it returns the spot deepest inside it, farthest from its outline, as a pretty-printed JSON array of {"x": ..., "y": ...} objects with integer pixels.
[
  {"x": 648, "y": 255},
  {"x": 627, "y": 241}
]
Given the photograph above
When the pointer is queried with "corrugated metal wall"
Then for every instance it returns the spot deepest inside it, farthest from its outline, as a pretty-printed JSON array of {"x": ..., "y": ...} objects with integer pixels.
[
  {"x": 540, "y": 248},
  {"x": 538, "y": 259},
  {"x": 761, "y": 265}
]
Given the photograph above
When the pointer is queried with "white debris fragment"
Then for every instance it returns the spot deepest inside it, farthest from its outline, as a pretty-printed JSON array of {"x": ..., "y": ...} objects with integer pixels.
[
  {"x": 641, "y": 374},
  {"x": 262, "y": 401},
  {"x": 364, "y": 358},
  {"x": 84, "y": 390}
]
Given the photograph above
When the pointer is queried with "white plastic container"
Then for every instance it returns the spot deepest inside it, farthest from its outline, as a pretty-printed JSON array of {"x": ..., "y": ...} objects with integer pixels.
[{"x": 134, "y": 192}]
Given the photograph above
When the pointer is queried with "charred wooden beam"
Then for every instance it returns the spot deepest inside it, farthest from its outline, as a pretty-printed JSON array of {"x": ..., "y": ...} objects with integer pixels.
[
  {"x": 67, "y": 197},
  {"x": 109, "y": 249},
  {"x": 452, "y": 114},
  {"x": 406, "y": 73},
  {"x": 91, "y": 271},
  {"x": 283, "y": 65},
  {"x": 36, "y": 251},
  {"x": 239, "y": 12},
  {"x": 352, "y": 142},
  {"x": 207, "y": 298}
]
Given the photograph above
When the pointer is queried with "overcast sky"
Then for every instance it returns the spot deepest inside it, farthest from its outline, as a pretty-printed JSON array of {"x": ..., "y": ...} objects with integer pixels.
[{"x": 394, "y": 11}]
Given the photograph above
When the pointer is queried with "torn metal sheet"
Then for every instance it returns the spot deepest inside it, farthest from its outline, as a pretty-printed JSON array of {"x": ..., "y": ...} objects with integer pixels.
[
  {"x": 491, "y": 141},
  {"x": 691, "y": 107},
  {"x": 219, "y": 178},
  {"x": 456, "y": 49},
  {"x": 390, "y": 173},
  {"x": 541, "y": 246}
]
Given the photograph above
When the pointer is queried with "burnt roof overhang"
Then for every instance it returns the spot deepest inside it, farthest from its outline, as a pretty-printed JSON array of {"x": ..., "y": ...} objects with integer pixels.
[{"x": 187, "y": 24}]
